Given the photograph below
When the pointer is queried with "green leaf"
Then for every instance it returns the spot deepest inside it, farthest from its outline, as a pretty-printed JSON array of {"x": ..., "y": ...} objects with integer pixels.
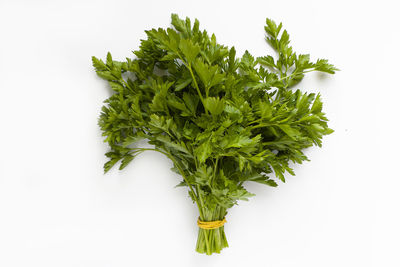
[
  {"x": 263, "y": 179},
  {"x": 178, "y": 23},
  {"x": 191, "y": 102},
  {"x": 271, "y": 28},
  {"x": 182, "y": 84},
  {"x": 324, "y": 66},
  {"x": 169, "y": 56},
  {"x": 284, "y": 40},
  {"x": 158, "y": 122},
  {"x": 303, "y": 62},
  {"x": 214, "y": 105},
  {"x": 216, "y": 79},
  {"x": 176, "y": 102},
  {"x": 241, "y": 194},
  {"x": 202, "y": 70},
  {"x": 248, "y": 60},
  {"x": 328, "y": 131},
  {"x": 242, "y": 141},
  {"x": 189, "y": 50},
  {"x": 159, "y": 103},
  {"x": 109, "y": 59},
  {"x": 203, "y": 151},
  {"x": 106, "y": 75},
  {"x": 170, "y": 144},
  {"x": 291, "y": 132},
  {"x": 265, "y": 110},
  {"x": 126, "y": 160},
  {"x": 98, "y": 64},
  {"x": 109, "y": 164},
  {"x": 117, "y": 87},
  {"x": 131, "y": 139},
  {"x": 317, "y": 105},
  {"x": 267, "y": 61},
  {"x": 242, "y": 162},
  {"x": 232, "y": 61}
]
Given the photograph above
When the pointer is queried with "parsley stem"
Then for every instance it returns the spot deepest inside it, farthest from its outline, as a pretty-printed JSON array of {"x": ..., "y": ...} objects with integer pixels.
[
  {"x": 294, "y": 73},
  {"x": 183, "y": 175},
  {"x": 199, "y": 205},
  {"x": 259, "y": 120},
  {"x": 189, "y": 67},
  {"x": 202, "y": 216},
  {"x": 215, "y": 168},
  {"x": 260, "y": 126},
  {"x": 126, "y": 84},
  {"x": 197, "y": 88}
]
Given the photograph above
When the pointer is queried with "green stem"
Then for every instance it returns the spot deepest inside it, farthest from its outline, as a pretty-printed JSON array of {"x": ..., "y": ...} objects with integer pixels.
[
  {"x": 202, "y": 215},
  {"x": 183, "y": 175},
  {"x": 259, "y": 120},
  {"x": 212, "y": 240},
  {"x": 260, "y": 126},
  {"x": 197, "y": 87},
  {"x": 215, "y": 169},
  {"x": 189, "y": 67},
  {"x": 294, "y": 73},
  {"x": 126, "y": 84}
]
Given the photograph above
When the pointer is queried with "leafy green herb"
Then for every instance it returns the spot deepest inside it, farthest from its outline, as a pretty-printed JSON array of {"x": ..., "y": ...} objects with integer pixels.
[{"x": 223, "y": 120}]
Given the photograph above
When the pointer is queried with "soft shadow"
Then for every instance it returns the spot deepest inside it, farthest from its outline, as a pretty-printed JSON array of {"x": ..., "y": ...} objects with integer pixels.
[{"x": 321, "y": 76}]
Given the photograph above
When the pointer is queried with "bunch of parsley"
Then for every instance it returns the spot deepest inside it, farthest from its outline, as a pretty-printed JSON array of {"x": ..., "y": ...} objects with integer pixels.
[{"x": 223, "y": 120}]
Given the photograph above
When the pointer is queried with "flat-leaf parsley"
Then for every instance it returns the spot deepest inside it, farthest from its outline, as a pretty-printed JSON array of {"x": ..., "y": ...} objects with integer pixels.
[{"x": 222, "y": 120}]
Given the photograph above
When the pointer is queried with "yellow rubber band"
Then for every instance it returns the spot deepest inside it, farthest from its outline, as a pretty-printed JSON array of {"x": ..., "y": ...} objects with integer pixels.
[{"x": 210, "y": 225}]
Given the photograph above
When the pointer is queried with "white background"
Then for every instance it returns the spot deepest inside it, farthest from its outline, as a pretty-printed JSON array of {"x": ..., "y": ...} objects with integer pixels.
[{"x": 58, "y": 209}]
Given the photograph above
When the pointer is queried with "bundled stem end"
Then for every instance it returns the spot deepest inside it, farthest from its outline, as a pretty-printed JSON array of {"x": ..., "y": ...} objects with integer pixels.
[{"x": 212, "y": 240}]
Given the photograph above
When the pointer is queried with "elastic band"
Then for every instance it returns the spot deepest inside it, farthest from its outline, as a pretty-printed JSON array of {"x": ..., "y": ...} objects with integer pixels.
[{"x": 210, "y": 225}]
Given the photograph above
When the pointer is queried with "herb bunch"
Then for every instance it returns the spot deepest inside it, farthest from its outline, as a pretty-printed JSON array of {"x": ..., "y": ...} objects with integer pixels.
[{"x": 222, "y": 120}]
